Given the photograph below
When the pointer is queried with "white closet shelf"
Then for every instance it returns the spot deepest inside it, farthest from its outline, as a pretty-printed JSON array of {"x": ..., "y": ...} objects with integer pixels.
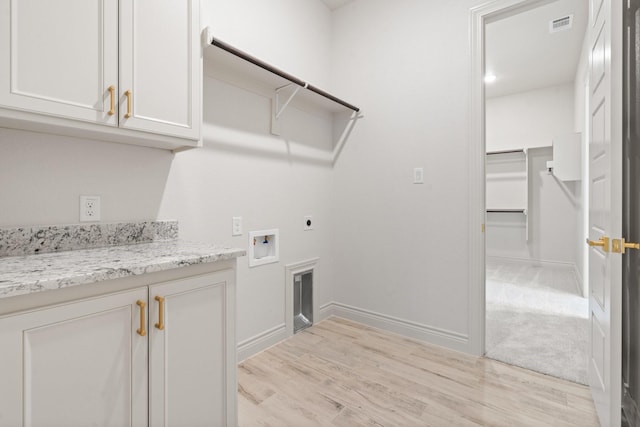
[
  {"x": 507, "y": 183},
  {"x": 522, "y": 211},
  {"x": 519, "y": 151},
  {"x": 234, "y": 60}
]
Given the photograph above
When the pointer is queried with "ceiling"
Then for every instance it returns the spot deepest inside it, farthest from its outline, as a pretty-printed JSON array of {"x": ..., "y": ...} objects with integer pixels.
[{"x": 524, "y": 55}]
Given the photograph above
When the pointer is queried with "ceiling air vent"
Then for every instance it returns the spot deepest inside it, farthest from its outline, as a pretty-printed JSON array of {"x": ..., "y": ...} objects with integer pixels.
[{"x": 561, "y": 24}]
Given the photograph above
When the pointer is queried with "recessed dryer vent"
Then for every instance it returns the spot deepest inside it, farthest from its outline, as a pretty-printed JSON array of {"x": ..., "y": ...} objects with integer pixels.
[
  {"x": 300, "y": 304},
  {"x": 302, "y": 301},
  {"x": 264, "y": 247}
]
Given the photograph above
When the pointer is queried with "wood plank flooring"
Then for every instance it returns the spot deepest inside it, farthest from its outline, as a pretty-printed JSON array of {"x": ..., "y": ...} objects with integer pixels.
[{"x": 341, "y": 373}]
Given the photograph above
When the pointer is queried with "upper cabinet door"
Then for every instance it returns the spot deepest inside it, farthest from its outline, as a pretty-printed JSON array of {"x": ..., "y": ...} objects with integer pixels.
[
  {"x": 160, "y": 66},
  {"x": 60, "y": 57}
]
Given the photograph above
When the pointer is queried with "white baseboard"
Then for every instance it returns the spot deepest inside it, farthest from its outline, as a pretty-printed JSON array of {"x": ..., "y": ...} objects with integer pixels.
[
  {"x": 532, "y": 261},
  {"x": 260, "y": 342},
  {"x": 441, "y": 337}
]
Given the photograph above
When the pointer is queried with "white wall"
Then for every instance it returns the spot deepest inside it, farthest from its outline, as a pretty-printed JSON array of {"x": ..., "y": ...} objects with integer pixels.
[
  {"x": 42, "y": 177},
  {"x": 401, "y": 249},
  {"x": 529, "y": 119},
  {"x": 271, "y": 183},
  {"x": 244, "y": 171},
  {"x": 293, "y": 35},
  {"x": 526, "y": 120}
]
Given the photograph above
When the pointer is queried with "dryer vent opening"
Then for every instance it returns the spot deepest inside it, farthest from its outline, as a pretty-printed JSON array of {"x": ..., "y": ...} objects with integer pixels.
[{"x": 302, "y": 300}]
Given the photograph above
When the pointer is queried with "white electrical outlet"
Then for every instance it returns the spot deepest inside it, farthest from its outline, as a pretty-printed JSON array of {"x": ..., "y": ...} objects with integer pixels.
[
  {"x": 418, "y": 176},
  {"x": 236, "y": 227},
  {"x": 89, "y": 208},
  {"x": 308, "y": 223}
]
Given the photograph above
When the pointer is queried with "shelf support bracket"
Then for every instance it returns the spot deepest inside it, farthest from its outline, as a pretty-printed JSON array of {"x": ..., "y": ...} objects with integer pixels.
[
  {"x": 339, "y": 144},
  {"x": 277, "y": 110}
]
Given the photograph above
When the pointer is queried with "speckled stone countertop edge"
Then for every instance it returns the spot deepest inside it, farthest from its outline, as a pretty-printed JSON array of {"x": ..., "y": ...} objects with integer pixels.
[{"x": 21, "y": 275}]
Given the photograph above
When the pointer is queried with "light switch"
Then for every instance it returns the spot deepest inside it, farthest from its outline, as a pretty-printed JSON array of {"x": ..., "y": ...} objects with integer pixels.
[
  {"x": 236, "y": 228},
  {"x": 418, "y": 176}
]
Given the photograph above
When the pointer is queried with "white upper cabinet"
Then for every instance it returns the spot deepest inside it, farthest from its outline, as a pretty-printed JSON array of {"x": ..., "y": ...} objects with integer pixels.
[
  {"x": 60, "y": 57},
  {"x": 73, "y": 66},
  {"x": 160, "y": 66}
]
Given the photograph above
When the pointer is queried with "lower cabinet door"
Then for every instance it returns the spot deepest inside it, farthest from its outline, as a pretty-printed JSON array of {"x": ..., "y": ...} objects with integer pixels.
[
  {"x": 192, "y": 352},
  {"x": 78, "y": 364}
]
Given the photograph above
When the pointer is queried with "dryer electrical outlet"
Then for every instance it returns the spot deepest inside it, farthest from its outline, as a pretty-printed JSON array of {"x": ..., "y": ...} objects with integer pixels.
[{"x": 308, "y": 223}]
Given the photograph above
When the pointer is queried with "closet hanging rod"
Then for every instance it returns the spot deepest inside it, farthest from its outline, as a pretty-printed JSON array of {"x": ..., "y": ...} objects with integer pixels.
[
  {"x": 270, "y": 68},
  {"x": 490, "y": 153},
  {"x": 506, "y": 210}
]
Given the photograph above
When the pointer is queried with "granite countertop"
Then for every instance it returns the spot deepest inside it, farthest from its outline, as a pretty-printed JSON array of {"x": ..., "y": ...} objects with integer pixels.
[
  {"x": 21, "y": 275},
  {"x": 40, "y": 258}
]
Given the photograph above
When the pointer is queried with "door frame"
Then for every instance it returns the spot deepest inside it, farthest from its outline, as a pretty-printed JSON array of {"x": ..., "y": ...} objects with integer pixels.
[{"x": 480, "y": 16}]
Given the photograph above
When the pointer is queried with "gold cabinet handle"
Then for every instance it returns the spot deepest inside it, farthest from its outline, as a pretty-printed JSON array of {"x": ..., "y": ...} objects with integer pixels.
[
  {"x": 142, "y": 331},
  {"x": 112, "y": 100},
  {"x": 129, "y": 95},
  {"x": 160, "y": 324},
  {"x": 603, "y": 243}
]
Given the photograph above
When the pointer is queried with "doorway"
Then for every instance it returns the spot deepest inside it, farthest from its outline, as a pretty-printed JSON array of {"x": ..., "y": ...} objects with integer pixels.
[{"x": 536, "y": 312}]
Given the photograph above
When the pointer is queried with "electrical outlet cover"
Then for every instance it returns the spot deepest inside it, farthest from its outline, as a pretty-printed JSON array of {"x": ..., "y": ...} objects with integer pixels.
[
  {"x": 89, "y": 208},
  {"x": 236, "y": 226}
]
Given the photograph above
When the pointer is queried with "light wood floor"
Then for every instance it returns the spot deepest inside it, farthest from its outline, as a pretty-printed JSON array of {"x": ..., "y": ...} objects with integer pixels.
[{"x": 341, "y": 373}]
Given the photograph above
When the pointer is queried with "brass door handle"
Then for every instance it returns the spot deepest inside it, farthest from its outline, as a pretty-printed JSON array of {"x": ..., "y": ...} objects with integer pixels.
[
  {"x": 142, "y": 331},
  {"x": 160, "y": 324},
  {"x": 603, "y": 243},
  {"x": 112, "y": 100},
  {"x": 129, "y": 95},
  {"x": 624, "y": 245}
]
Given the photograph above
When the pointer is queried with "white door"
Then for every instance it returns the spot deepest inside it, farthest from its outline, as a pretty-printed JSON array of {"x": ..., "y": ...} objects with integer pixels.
[
  {"x": 192, "y": 359},
  {"x": 60, "y": 57},
  {"x": 605, "y": 207},
  {"x": 78, "y": 364},
  {"x": 160, "y": 66}
]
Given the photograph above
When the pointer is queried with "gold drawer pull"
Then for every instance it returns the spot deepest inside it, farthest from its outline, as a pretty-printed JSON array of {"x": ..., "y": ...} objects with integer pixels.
[
  {"x": 142, "y": 331},
  {"x": 129, "y": 95},
  {"x": 160, "y": 324},
  {"x": 112, "y": 100}
]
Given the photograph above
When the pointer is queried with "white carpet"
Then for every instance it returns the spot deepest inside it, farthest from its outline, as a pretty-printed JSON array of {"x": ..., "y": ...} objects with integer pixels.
[{"x": 537, "y": 320}]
